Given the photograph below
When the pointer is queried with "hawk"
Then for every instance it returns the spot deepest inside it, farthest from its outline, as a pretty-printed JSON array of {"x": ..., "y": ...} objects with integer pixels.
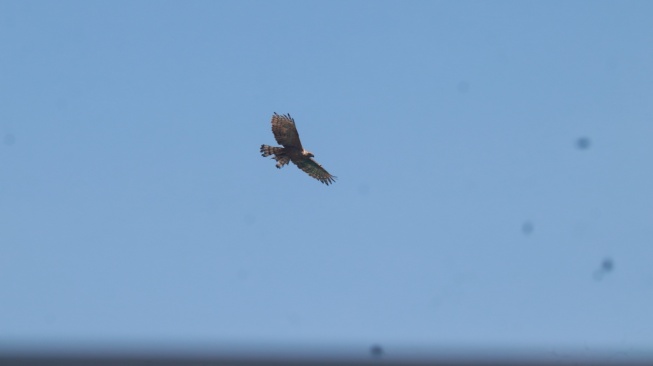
[{"x": 286, "y": 134}]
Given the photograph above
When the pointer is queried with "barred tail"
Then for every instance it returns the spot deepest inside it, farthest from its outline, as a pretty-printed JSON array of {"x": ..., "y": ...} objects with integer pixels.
[
  {"x": 278, "y": 152},
  {"x": 271, "y": 150}
]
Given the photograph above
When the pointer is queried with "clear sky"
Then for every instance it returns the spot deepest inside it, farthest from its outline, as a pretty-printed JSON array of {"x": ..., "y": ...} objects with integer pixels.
[{"x": 495, "y": 183}]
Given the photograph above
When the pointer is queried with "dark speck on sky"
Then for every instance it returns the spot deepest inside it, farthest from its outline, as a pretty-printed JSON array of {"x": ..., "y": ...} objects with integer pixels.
[
  {"x": 607, "y": 265},
  {"x": 376, "y": 350},
  {"x": 583, "y": 143}
]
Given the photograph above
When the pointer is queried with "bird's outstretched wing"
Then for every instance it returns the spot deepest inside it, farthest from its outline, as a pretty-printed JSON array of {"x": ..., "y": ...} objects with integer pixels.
[
  {"x": 285, "y": 132},
  {"x": 315, "y": 170}
]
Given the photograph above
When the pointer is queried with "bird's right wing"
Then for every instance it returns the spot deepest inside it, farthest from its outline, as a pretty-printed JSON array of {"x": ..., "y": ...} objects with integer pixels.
[
  {"x": 285, "y": 132},
  {"x": 315, "y": 170}
]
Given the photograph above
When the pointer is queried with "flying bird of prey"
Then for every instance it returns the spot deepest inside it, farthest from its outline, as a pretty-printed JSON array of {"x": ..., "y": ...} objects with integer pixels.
[{"x": 286, "y": 134}]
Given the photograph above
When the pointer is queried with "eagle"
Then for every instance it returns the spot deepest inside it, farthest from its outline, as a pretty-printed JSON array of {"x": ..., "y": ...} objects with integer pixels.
[{"x": 285, "y": 132}]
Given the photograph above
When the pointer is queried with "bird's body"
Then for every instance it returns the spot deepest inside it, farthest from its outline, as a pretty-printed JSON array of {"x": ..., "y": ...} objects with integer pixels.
[{"x": 285, "y": 132}]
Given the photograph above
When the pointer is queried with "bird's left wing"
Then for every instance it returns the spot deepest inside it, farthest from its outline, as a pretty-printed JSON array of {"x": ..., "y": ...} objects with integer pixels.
[{"x": 315, "y": 170}]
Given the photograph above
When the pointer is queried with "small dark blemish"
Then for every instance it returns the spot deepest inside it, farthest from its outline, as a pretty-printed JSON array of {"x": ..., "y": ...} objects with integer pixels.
[
  {"x": 376, "y": 350},
  {"x": 583, "y": 143},
  {"x": 607, "y": 265}
]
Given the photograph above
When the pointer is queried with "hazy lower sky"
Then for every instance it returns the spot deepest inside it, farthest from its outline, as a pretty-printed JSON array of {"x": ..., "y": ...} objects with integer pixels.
[{"x": 494, "y": 163}]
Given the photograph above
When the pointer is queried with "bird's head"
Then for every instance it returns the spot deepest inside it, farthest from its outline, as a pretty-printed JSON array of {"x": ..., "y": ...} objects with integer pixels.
[{"x": 307, "y": 154}]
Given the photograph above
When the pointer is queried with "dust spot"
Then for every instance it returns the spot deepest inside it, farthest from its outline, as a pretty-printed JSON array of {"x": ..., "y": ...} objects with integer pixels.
[
  {"x": 607, "y": 266},
  {"x": 376, "y": 350},
  {"x": 583, "y": 143}
]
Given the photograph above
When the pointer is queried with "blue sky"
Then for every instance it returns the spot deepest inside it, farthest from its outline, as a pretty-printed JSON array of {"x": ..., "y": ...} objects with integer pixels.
[{"x": 135, "y": 207}]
